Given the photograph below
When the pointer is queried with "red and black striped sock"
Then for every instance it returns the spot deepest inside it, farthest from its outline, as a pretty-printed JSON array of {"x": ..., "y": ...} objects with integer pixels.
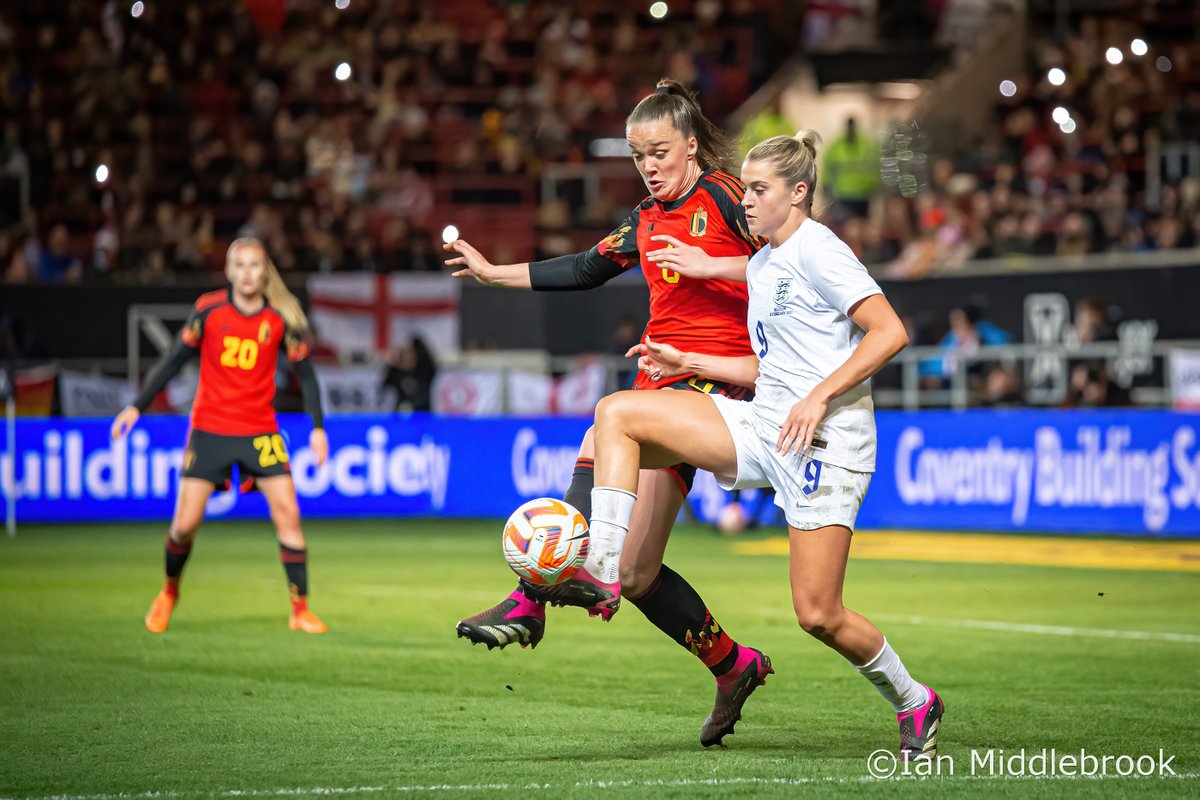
[
  {"x": 677, "y": 610},
  {"x": 295, "y": 565},
  {"x": 176, "y": 557}
]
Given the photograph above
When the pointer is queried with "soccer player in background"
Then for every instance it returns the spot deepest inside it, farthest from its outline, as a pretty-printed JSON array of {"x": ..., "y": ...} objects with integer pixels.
[
  {"x": 238, "y": 333},
  {"x": 822, "y": 328},
  {"x": 692, "y": 216}
]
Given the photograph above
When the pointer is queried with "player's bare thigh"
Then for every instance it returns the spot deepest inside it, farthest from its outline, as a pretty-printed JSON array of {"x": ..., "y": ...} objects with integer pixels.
[
  {"x": 189, "y": 508},
  {"x": 671, "y": 427}
]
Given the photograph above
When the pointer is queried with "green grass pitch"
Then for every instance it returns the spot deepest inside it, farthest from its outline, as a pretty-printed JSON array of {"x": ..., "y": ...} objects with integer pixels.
[{"x": 229, "y": 703}]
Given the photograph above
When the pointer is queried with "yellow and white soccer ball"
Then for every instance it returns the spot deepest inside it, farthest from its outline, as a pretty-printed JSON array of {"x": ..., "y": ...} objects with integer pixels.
[{"x": 545, "y": 541}]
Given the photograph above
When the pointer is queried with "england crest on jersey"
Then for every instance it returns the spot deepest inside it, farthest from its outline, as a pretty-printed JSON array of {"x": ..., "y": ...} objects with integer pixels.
[{"x": 783, "y": 290}]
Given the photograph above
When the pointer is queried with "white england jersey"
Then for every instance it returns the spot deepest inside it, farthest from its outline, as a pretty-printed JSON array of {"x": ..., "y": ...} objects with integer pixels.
[{"x": 800, "y": 295}]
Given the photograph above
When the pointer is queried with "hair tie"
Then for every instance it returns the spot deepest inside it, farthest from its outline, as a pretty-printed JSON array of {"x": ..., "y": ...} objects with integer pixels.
[{"x": 661, "y": 90}]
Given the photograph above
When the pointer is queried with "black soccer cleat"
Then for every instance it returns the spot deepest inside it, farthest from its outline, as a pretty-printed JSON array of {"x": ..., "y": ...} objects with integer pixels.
[{"x": 516, "y": 620}]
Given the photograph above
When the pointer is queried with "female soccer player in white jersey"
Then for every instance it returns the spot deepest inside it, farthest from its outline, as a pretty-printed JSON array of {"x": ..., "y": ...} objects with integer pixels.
[{"x": 821, "y": 328}]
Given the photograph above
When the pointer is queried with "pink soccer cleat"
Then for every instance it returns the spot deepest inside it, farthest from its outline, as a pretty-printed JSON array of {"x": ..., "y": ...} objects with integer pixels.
[
  {"x": 583, "y": 589},
  {"x": 733, "y": 689},
  {"x": 919, "y": 728}
]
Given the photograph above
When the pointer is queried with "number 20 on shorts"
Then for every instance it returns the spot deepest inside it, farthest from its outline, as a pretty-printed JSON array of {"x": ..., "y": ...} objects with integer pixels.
[{"x": 271, "y": 450}]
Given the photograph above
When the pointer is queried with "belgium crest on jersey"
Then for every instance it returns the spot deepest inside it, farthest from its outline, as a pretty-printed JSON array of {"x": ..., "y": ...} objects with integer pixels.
[
  {"x": 264, "y": 332},
  {"x": 699, "y": 222}
]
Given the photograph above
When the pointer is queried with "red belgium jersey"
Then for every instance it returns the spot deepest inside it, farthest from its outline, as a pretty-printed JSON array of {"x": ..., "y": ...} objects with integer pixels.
[
  {"x": 238, "y": 356},
  {"x": 702, "y": 315}
]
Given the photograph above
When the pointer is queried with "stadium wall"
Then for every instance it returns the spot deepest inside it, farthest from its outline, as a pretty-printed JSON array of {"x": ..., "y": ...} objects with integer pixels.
[
  {"x": 566, "y": 323},
  {"x": 1124, "y": 472}
]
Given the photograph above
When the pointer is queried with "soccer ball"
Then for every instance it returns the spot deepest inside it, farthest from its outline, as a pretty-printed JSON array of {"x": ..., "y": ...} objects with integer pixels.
[{"x": 545, "y": 541}]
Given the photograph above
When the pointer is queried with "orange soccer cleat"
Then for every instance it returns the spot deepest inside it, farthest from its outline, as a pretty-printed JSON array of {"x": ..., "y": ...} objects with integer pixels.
[
  {"x": 159, "y": 615},
  {"x": 307, "y": 621}
]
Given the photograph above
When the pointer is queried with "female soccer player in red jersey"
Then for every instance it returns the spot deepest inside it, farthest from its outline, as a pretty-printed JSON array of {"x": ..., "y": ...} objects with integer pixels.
[
  {"x": 238, "y": 333},
  {"x": 692, "y": 216}
]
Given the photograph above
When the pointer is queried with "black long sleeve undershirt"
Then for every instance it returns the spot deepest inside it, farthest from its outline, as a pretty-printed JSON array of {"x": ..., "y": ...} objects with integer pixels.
[
  {"x": 310, "y": 391},
  {"x": 161, "y": 374},
  {"x": 585, "y": 270}
]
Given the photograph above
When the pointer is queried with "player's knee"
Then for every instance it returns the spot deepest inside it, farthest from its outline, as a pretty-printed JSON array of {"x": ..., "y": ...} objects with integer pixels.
[
  {"x": 614, "y": 411},
  {"x": 286, "y": 517},
  {"x": 817, "y": 620}
]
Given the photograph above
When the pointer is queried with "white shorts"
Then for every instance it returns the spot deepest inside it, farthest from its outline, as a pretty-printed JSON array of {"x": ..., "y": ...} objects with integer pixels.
[{"x": 811, "y": 493}]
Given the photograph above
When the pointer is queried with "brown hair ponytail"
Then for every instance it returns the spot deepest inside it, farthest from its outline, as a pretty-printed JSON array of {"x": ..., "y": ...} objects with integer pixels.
[{"x": 673, "y": 101}]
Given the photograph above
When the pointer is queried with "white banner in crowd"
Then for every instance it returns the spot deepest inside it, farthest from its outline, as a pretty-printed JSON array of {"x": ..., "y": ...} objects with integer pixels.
[
  {"x": 85, "y": 395},
  {"x": 1185, "y": 378},
  {"x": 578, "y": 392},
  {"x": 364, "y": 313},
  {"x": 529, "y": 394},
  {"x": 468, "y": 392},
  {"x": 574, "y": 394},
  {"x": 354, "y": 390}
]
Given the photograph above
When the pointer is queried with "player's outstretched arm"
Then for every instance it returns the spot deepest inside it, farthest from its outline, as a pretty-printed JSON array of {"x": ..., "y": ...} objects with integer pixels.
[
  {"x": 660, "y": 360},
  {"x": 156, "y": 381},
  {"x": 692, "y": 262},
  {"x": 508, "y": 276}
]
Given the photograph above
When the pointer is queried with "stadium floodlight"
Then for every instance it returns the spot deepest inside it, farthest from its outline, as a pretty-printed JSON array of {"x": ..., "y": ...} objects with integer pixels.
[
  {"x": 449, "y": 233},
  {"x": 1114, "y": 55},
  {"x": 1056, "y": 76},
  {"x": 341, "y": 5},
  {"x": 1060, "y": 115},
  {"x": 1067, "y": 125},
  {"x": 136, "y": 9},
  {"x": 1008, "y": 88},
  {"x": 658, "y": 10},
  {"x": 1163, "y": 63},
  {"x": 1139, "y": 47},
  {"x": 102, "y": 173},
  {"x": 342, "y": 73}
]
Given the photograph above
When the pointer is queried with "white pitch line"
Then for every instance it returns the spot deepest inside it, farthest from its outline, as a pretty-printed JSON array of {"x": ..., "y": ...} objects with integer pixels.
[
  {"x": 1044, "y": 630},
  {"x": 327, "y": 791}
]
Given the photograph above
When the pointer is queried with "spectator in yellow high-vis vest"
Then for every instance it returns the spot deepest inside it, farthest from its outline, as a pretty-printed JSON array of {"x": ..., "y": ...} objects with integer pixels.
[{"x": 852, "y": 169}]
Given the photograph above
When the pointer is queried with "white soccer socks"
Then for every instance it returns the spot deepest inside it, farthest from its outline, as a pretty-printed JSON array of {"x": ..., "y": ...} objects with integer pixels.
[
  {"x": 611, "y": 511},
  {"x": 890, "y": 677}
]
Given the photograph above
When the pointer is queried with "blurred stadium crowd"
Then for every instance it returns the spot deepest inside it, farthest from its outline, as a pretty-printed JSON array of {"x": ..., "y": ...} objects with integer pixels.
[
  {"x": 147, "y": 136},
  {"x": 1071, "y": 164},
  {"x": 213, "y": 121}
]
